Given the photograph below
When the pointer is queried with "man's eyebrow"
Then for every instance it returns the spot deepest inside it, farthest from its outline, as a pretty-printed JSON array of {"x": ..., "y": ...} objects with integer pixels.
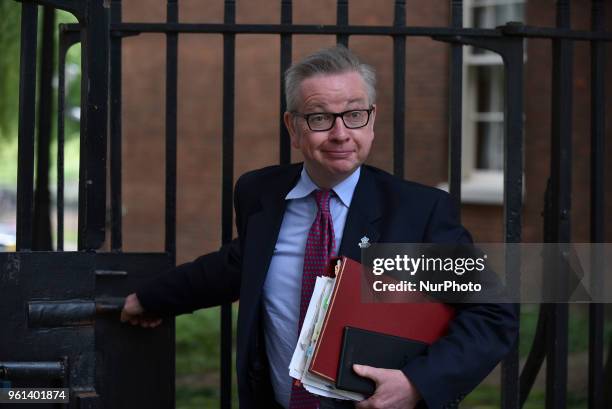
[
  {"x": 319, "y": 106},
  {"x": 322, "y": 108},
  {"x": 356, "y": 100}
]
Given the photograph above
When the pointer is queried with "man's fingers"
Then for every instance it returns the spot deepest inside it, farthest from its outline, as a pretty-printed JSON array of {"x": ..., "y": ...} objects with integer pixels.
[
  {"x": 132, "y": 305},
  {"x": 150, "y": 322},
  {"x": 125, "y": 317},
  {"x": 371, "y": 403},
  {"x": 367, "y": 372},
  {"x": 373, "y": 374},
  {"x": 393, "y": 389},
  {"x": 143, "y": 322},
  {"x": 133, "y": 313},
  {"x": 364, "y": 404}
]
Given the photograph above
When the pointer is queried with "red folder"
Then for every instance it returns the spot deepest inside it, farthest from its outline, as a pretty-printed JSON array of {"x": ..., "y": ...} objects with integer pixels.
[{"x": 423, "y": 321}]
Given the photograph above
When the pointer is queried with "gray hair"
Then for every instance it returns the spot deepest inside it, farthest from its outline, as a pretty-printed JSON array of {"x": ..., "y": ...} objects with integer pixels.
[{"x": 333, "y": 60}]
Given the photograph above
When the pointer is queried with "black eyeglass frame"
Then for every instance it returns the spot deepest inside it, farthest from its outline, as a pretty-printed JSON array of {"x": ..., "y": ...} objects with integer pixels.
[{"x": 335, "y": 115}]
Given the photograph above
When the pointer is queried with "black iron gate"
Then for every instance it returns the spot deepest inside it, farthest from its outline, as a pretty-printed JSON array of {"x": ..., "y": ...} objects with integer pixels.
[
  {"x": 92, "y": 281},
  {"x": 61, "y": 329},
  {"x": 60, "y": 309}
]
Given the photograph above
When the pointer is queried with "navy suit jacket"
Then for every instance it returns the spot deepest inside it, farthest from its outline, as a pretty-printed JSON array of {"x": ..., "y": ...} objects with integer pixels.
[{"x": 385, "y": 209}]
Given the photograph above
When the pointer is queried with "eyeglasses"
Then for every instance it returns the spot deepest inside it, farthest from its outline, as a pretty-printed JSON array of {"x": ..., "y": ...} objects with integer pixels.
[{"x": 324, "y": 121}]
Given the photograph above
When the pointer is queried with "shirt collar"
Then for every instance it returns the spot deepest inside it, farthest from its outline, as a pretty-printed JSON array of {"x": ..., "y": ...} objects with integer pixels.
[{"x": 344, "y": 190}]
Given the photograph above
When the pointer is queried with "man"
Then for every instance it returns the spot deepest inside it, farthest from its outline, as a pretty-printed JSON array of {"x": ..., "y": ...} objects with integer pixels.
[{"x": 330, "y": 118}]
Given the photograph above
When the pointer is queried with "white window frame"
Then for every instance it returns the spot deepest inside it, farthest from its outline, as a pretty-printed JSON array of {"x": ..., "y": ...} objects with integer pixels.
[{"x": 478, "y": 186}]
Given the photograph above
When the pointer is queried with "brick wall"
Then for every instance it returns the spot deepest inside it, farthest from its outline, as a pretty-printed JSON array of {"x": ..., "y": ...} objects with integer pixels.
[{"x": 257, "y": 114}]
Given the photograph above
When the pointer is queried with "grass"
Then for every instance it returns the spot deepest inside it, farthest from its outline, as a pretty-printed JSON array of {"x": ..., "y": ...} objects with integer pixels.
[
  {"x": 487, "y": 397},
  {"x": 197, "y": 398},
  {"x": 198, "y": 348},
  {"x": 578, "y": 340}
]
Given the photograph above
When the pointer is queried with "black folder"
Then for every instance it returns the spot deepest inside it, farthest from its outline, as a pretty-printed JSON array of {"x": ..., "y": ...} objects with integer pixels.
[{"x": 364, "y": 347}]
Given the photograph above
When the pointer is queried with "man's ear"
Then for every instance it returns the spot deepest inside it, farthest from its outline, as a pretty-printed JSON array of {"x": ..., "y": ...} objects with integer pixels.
[
  {"x": 293, "y": 132},
  {"x": 373, "y": 115}
]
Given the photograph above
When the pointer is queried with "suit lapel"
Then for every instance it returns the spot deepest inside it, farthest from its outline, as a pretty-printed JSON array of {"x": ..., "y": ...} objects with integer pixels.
[
  {"x": 262, "y": 234},
  {"x": 363, "y": 216}
]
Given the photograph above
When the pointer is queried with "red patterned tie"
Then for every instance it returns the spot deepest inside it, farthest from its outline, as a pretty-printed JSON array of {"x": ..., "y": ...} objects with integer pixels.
[{"x": 319, "y": 249}]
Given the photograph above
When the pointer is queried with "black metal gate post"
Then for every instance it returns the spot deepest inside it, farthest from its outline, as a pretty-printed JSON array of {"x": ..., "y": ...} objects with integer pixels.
[
  {"x": 227, "y": 187},
  {"x": 561, "y": 182},
  {"x": 94, "y": 123},
  {"x": 116, "y": 242},
  {"x": 399, "y": 90},
  {"x": 598, "y": 104},
  {"x": 42, "y": 197},
  {"x": 27, "y": 104},
  {"x": 285, "y": 62},
  {"x": 455, "y": 108}
]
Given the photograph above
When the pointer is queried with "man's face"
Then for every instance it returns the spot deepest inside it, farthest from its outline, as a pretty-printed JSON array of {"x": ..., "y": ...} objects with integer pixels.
[{"x": 331, "y": 156}]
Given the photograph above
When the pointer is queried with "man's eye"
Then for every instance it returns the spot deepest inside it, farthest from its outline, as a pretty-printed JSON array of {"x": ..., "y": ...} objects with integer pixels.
[
  {"x": 355, "y": 114},
  {"x": 317, "y": 118}
]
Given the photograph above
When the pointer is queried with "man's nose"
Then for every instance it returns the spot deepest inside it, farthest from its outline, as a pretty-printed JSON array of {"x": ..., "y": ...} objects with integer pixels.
[{"x": 339, "y": 131}]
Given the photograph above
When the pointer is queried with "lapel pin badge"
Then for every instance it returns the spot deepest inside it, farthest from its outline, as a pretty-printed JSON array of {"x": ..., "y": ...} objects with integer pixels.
[{"x": 365, "y": 242}]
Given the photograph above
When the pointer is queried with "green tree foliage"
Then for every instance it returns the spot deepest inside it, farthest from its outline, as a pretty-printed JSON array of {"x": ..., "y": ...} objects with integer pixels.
[
  {"x": 9, "y": 67},
  {"x": 73, "y": 78},
  {"x": 10, "y": 36}
]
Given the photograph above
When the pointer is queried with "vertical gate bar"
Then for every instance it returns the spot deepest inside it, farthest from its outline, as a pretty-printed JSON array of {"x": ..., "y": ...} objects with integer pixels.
[
  {"x": 172, "y": 14},
  {"x": 399, "y": 90},
  {"x": 342, "y": 18},
  {"x": 561, "y": 177},
  {"x": 27, "y": 118},
  {"x": 61, "y": 106},
  {"x": 67, "y": 39},
  {"x": 513, "y": 202},
  {"x": 285, "y": 62},
  {"x": 171, "y": 128},
  {"x": 115, "y": 130},
  {"x": 229, "y": 64},
  {"x": 455, "y": 108},
  {"x": 94, "y": 125},
  {"x": 596, "y": 311},
  {"x": 41, "y": 239}
]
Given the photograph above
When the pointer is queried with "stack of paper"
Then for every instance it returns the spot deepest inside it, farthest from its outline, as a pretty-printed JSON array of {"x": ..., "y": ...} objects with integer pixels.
[
  {"x": 339, "y": 303},
  {"x": 311, "y": 329}
]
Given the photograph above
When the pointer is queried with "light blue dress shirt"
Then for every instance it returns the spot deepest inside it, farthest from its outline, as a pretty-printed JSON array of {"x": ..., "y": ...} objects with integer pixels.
[{"x": 281, "y": 291}]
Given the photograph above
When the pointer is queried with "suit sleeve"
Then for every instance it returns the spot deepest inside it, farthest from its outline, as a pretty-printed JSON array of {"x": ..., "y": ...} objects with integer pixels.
[
  {"x": 478, "y": 338},
  {"x": 211, "y": 279}
]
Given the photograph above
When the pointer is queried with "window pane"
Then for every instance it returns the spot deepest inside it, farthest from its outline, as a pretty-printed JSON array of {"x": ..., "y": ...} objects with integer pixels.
[
  {"x": 493, "y": 16},
  {"x": 490, "y": 148},
  {"x": 490, "y": 86}
]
